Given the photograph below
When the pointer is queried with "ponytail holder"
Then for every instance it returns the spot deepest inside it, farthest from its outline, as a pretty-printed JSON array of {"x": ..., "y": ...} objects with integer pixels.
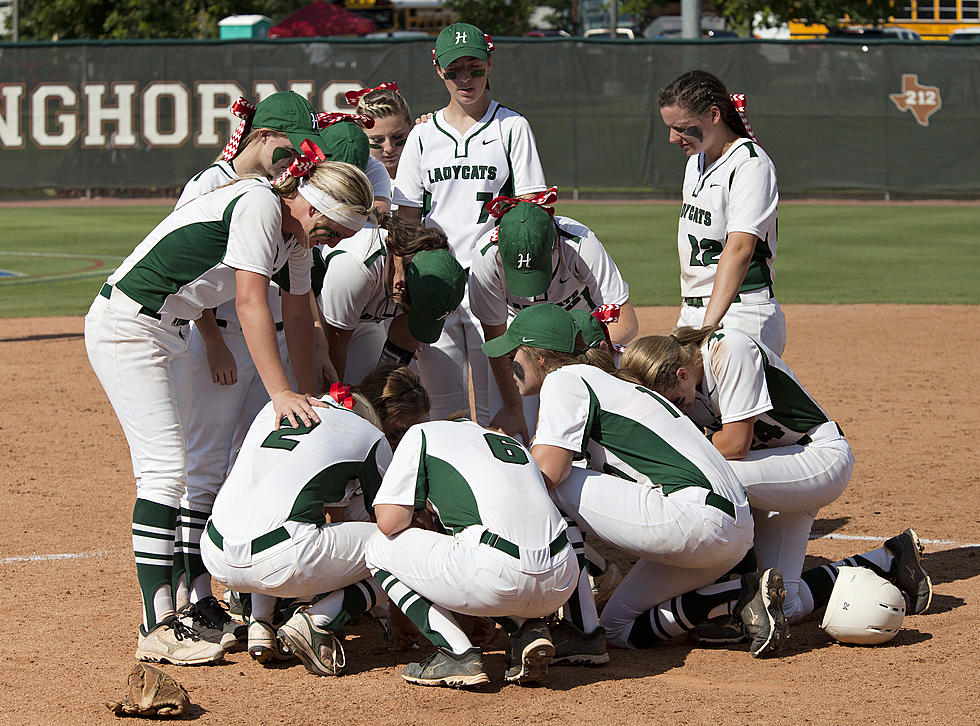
[
  {"x": 322, "y": 120},
  {"x": 303, "y": 164},
  {"x": 499, "y": 206},
  {"x": 244, "y": 110},
  {"x": 341, "y": 393},
  {"x": 739, "y": 100},
  {"x": 354, "y": 97}
]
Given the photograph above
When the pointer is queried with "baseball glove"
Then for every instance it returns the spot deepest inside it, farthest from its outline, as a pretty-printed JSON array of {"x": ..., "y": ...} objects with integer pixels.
[{"x": 152, "y": 692}]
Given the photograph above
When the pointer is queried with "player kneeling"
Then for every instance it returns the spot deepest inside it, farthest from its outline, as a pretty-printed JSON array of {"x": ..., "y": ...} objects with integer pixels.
[
  {"x": 269, "y": 534},
  {"x": 506, "y": 555}
]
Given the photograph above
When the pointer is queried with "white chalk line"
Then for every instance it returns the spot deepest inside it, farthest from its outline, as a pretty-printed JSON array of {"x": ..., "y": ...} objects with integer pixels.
[{"x": 115, "y": 553}]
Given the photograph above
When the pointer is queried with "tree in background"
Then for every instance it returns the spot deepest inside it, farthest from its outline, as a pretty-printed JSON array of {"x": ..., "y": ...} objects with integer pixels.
[
  {"x": 495, "y": 17},
  {"x": 122, "y": 19},
  {"x": 828, "y": 12}
]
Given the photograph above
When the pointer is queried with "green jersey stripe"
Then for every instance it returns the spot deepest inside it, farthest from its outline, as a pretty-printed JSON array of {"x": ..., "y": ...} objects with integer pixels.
[{"x": 328, "y": 485}]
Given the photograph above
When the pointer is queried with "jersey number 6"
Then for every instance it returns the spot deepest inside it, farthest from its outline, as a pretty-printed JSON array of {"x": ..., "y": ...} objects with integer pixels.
[{"x": 506, "y": 449}]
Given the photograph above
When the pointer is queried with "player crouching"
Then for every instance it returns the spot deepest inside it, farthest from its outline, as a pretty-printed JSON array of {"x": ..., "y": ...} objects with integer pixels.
[
  {"x": 269, "y": 535},
  {"x": 506, "y": 556}
]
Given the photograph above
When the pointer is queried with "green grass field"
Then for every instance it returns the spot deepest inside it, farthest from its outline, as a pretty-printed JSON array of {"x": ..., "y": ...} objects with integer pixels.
[{"x": 54, "y": 259}]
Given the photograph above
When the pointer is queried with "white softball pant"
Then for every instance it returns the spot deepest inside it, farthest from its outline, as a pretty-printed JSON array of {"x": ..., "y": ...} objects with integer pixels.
[
  {"x": 786, "y": 487},
  {"x": 310, "y": 561},
  {"x": 142, "y": 364},
  {"x": 462, "y": 575},
  {"x": 446, "y": 365},
  {"x": 683, "y": 542},
  {"x": 763, "y": 320}
]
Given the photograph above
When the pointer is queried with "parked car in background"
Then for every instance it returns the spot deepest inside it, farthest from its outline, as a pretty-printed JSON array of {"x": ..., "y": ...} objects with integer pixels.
[
  {"x": 622, "y": 33},
  {"x": 965, "y": 34}
]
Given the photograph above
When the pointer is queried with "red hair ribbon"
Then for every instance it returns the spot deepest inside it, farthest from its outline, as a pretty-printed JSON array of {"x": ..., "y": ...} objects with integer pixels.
[
  {"x": 306, "y": 162},
  {"x": 606, "y": 314},
  {"x": 341, "y": 393},
  {"x": 499, "y": 206},
  {"x": 323, "y": 120},
  {"x": 739, "y": 100},
  {"x": 244, "y": 110},
  {"x": 353, "y": 97}
]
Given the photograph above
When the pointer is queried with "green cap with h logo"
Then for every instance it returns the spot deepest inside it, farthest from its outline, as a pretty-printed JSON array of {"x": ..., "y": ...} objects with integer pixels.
[
  {"x": 460, "y": 40},
  {"x": 525, "y": 238}
]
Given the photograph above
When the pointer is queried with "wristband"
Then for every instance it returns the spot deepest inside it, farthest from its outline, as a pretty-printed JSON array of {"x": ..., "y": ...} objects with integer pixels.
[{"x": 392, "y": 353}]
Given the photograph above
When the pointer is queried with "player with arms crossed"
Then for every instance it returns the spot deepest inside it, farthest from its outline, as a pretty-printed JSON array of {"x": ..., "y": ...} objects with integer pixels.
[
  {"x": 788, "y": 454},
  {"x": 506, "y": 554},
  {"x": 534, "y": 257},
  {"x": 655, "y": 487},
  {"x": 726, "y": 235},
  {"x": 225, "y": 244},
  {"x": 471, "y": 151},
  {"x": 270, "y": 533}
]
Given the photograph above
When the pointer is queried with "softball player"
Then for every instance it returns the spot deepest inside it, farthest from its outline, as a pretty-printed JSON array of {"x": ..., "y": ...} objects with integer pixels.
[
  {"x": 468, "y": 153},
  {"x": 268, "y": 533},
  {"x": 392, "y": 122},
  {"x": 403, "y": 275},
  {"x": 506, "y": 554},
  {"x": 657, "y": 489},
  {"x": 224, "y": 244},
  {"x": 533, "y": 257},
  {"x": 726, "y": 235},
  {"x": 788, "y": 454}
]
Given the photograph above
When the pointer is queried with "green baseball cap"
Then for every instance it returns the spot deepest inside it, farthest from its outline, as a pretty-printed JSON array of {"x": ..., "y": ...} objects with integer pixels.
[
  {"x": 525, "y": 238},
  {"x": 346, "y": 141},
  {"x": 539, "y": 326},
  {"x": 460, "y": 40},
  {"x": 592, "y": 332},
  {"x": 436, "y": 283},
  {"x": 291, "y": 114}
]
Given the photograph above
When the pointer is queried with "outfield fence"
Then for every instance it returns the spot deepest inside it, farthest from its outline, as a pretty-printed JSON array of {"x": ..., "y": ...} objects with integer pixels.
[{"x": 840, "y": 118}]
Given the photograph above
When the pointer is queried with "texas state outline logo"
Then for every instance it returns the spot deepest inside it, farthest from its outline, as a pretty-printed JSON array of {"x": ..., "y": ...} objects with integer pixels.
[{"x": 922, "y": 101}]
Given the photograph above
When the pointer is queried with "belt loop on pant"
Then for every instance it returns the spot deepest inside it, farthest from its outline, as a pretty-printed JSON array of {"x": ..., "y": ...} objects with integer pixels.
[
  {"x": 106, "y": 292},
  {"x": 507, "y": 547},
  {"x": 259, "y": 544}
]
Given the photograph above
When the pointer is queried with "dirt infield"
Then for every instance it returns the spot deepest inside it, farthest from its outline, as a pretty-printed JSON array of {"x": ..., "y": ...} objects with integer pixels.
[{"x": 903, "y": 388}]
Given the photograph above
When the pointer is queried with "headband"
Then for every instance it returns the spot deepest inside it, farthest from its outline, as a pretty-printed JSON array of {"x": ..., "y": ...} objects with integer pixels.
[
  {"x": 323, "y": 120},
  {"x": 244, "y": 110},
  {"x": 739, "y": 100},
  {"x": 330, "y": 207},
  {"x": 499, "y": 206},
  {"x": 354, "y": 97},
  {"x": 341, "y": 393}
]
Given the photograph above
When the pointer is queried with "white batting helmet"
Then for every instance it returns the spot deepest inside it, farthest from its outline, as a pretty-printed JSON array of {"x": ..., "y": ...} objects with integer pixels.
[{"x": 863, "y": 608}]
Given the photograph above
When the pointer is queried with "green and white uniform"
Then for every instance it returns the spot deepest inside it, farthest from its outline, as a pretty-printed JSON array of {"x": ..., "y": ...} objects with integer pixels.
[
  {"x": 737, "y": 193},
  {"x": 505, "y": 553},
  {"x": 799, "y": 460},
  {"x": 451, "y": 177},
  {"x": 136, "y": 339},
  {"x": 656, "y": 488},
  {"x": 268, "y": 534}
]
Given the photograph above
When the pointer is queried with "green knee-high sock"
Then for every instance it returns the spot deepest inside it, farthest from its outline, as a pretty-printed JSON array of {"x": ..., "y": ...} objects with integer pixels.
[
  {"x": 434, "y": 622},
  {"x": 192, "y": 527},
  {"x": 154, "y": 534},
  {"x": 683, "y": 613}
]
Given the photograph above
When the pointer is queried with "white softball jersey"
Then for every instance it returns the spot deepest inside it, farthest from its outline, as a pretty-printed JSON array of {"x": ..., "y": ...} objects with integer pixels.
[
  {"x": 735, "y": 194},
  {"x": 354, "y": 288},
  {"x": 629, "y": 431},
  {"x": 473, "y": 477},
  {"x": 378, "y": 176},
  {"x": 188, "y": 262},
  {"x": 451, "y": 176},
  {"x": 584, "y": 276}
]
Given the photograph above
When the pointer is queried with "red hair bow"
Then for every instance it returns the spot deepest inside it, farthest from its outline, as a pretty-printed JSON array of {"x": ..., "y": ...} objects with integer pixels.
[
  {"x": 323, "y": 120},
  {"x": 341, "y": 393},
  {"x": 306, "y": 162},
  {"x": 244, "y": 110},
  {"x": 499, "y": 206},
  {"x": 739, "y": 100},
  {"x": 353, "y": 97}
]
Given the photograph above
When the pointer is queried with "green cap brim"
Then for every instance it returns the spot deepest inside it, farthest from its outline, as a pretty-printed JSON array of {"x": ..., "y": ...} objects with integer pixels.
[
  {"x": 527, "y": 283},
  {"x": 453, "y": 53},
  {"x": 499, "y": 346},
  {"x": 424, "y": 329}
]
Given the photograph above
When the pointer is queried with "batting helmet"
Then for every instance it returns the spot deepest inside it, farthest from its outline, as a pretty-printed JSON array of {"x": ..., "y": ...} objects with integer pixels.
[{"x": 863, "y": 608}]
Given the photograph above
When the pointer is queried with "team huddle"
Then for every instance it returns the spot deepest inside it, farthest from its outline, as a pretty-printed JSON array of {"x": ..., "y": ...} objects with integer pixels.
[{"x": 291, "y": 352}]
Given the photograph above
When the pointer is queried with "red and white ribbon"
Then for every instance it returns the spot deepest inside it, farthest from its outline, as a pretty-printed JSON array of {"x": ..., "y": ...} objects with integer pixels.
[
  {"x": 310, "y": 156},
  {"x": 323, "y": 120},
  {"x": 354, "y": 97},
  {"x": 244, "y": 110},
  {"x": 499, "y": 206},
  {"x": 342, "y": 394},
  {"x": 739, "y": 100},
  {"x": 606, "y": 314}
]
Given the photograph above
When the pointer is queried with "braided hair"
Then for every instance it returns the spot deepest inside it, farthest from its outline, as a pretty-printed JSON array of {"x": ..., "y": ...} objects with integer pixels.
[{"x": 697, "y": 91}]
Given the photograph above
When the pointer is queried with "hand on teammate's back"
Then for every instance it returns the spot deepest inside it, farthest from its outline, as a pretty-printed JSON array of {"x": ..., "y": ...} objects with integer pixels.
[{"x": 296, "y": 408}]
